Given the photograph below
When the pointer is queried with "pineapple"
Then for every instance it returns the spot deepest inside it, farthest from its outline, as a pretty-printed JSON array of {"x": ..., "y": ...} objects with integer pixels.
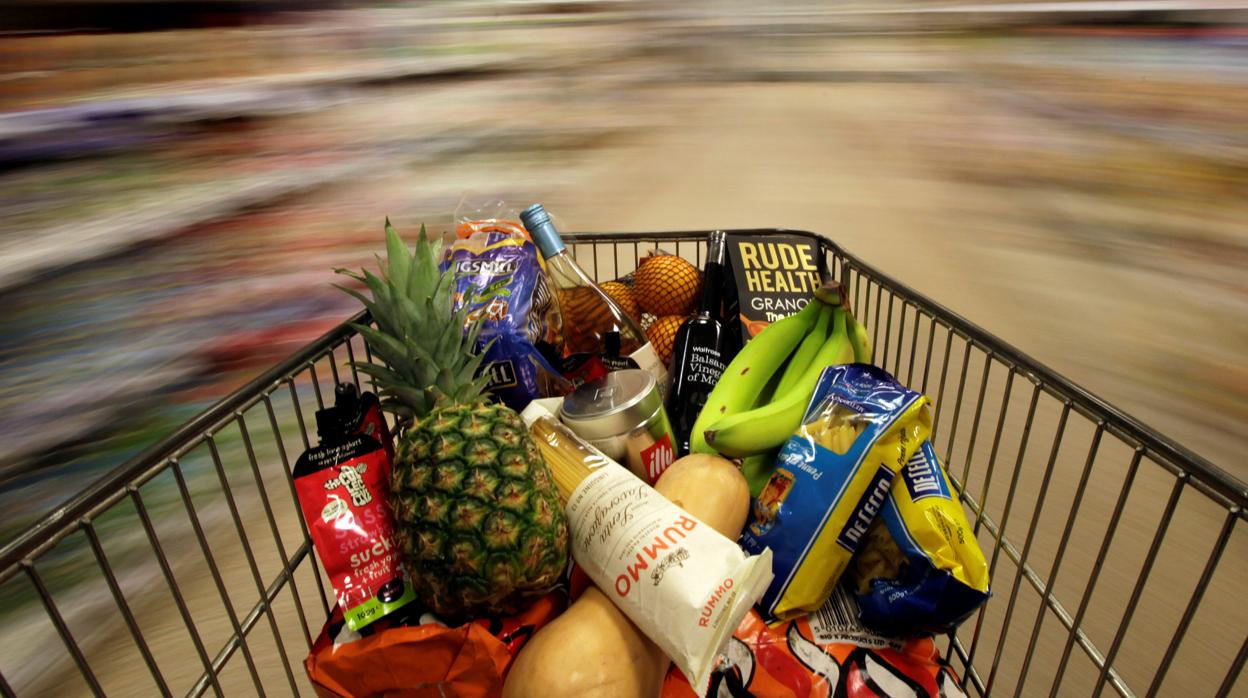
[{"x": 478, "y": 520}]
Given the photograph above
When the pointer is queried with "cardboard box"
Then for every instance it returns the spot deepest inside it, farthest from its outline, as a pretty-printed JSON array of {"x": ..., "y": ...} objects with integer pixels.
[{"x": 772, "y": 277}]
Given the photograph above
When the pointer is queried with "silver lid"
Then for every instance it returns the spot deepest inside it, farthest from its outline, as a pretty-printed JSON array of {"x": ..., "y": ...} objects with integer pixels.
[{"x": 612, "y": 405}]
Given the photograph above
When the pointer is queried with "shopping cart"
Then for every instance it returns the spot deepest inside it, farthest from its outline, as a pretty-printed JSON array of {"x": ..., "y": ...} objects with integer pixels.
[{"x": 1118, "y": 557}]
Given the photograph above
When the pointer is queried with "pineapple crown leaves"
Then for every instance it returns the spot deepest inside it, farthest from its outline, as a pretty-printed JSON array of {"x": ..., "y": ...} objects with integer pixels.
[{"x": 426, "y": 358}]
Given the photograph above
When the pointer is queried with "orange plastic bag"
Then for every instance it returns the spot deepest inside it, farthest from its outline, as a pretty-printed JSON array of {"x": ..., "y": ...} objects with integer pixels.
[
  {"x": 468, "y": 661},
  {"x": 789, "y": 661},
  {"x": 467, "y": 228}
]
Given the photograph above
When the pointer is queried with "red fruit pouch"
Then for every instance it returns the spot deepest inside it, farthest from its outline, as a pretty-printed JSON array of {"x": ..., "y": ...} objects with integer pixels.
[
  {"x": 364, "y": 410},
  {"x": 342, "y": 485}
]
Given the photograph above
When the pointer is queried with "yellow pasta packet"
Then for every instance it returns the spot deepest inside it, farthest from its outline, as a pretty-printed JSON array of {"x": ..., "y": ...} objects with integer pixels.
[
  {"x": 921, "y": 569},
  {"x": 830, "y": 482}
]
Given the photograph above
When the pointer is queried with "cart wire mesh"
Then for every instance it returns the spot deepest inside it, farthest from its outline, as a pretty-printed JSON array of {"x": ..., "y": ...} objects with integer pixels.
[{"x": 1118, "y": 557}]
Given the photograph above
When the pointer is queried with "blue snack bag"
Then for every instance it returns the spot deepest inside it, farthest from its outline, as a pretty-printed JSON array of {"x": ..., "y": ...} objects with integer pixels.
[
  {"x": 921, "y": 569},
  {"x": 830, "y": 481},
  {"x": 498, "y": 276}
]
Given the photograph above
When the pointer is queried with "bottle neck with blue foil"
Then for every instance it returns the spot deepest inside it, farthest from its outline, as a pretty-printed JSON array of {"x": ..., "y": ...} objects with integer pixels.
[{"x": 537, "y": 221}]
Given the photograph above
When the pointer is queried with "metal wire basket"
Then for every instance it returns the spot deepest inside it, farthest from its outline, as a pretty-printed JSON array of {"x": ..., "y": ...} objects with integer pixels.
[{"x": 1118, "y": 557}]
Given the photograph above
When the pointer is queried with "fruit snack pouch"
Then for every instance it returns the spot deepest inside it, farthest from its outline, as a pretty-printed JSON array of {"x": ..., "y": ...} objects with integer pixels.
[
  {"x": 364, "y": 411},
  {"x": 343, "y": 489}
]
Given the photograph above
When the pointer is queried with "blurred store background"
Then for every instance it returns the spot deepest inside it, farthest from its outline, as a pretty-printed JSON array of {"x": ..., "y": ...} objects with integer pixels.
[{"x": 179, "y": 179}]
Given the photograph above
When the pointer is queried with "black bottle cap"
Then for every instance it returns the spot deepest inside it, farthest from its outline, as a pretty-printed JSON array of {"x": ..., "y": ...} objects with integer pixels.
[
  {"x": 333, "y": 421},
  {"x": 612, "y": 343},
  {"x": 346, "y": 395}
]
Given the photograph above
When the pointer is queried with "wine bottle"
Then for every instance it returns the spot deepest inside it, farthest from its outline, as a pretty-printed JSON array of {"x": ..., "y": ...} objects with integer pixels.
[
  {"x": 592, "y": 323},
  {"x": 702, "y": 350}
]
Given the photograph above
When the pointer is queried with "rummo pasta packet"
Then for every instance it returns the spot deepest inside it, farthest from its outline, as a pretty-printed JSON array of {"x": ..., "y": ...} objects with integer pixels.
[
  {"x": 681, "y": 582},
  {"x": 921, "y": 569},
  {"x": 830, "y": 481}
]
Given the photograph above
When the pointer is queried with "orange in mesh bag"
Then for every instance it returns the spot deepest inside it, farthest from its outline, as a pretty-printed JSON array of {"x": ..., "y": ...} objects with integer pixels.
[
  {"x": 468, "y": 661},
  {"x": 796, "y": 660}
]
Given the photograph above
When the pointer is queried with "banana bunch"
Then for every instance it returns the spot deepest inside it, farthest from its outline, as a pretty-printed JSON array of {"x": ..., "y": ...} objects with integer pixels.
[{"x": 759, "y": 401}]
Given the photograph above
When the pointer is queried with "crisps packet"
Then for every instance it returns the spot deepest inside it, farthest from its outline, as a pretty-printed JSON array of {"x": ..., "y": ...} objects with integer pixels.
[
  {"x": 921, "y": 569},
  {"x": 823, "y": 655},
  {"x": 830, "y": 481},
  {"x": 498, "y": 276}
]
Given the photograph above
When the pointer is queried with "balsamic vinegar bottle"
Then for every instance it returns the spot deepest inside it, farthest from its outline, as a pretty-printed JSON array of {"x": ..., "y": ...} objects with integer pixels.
[{"x": 702, "y": 349}]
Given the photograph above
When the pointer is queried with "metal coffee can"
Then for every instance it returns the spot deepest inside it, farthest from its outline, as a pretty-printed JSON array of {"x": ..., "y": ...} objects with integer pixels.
[{"x": 622, "y": 415}]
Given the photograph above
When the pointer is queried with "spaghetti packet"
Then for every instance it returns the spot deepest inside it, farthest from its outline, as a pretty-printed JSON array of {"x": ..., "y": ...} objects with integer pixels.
[
  {"x": 681, "y": 582},
  {"x": 921, "y": 569},
  {"x": 830, "y": 482}
]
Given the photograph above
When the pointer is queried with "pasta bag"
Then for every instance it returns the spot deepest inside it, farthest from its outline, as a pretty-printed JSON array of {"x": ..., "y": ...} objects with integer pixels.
[
  {"x": 921, "y": 569},
  {"x": 681, "y": 582},
  {"x": 830, "y": 481}
]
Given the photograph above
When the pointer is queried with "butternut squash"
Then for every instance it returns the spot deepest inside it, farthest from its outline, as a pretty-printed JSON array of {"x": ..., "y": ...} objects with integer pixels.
[
  {"x": 593, "y": 649},
  {"x": 711, "y": 488}
]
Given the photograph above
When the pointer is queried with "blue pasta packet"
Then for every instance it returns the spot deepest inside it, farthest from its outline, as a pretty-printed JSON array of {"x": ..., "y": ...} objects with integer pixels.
[
  {"x": 920, "y": 569},
  {"x": 830, "y": 482},
  {"x": 497, "y": 275}
]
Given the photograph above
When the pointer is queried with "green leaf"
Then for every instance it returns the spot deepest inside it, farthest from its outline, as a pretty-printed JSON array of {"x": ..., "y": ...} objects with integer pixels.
[
  {"x": 446, "y": 346},
  {"x": 368, "y": 303},
  {"x": 349, "y": 272},
  {"x": 474, "y": 387},
  {"x": 398, "y": 258},
  {"x": 445, "y": 383},
  {"x": 383, "y": 301},
  {"x": 383, "y": 374},
  {"x": 417, "y": 398},
  {"x": 391, "y": 350},
  {"x": 443, "y": 297},
  {"x": 416, "y": 318},
  {"x": 471, "y": 336},
  {"x": 427, "y": 255},
  {"x": 398, "y": 408},
  {"x": 417, "y": 353},
  {"x": 424, "y": 276},
  {"x": 426, "y": 268}
]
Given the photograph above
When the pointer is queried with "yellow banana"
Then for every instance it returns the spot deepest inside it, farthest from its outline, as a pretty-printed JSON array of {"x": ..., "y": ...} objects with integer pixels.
[
  {"x": 806, "y": 351},
  {"x": 862, "y": 343},
  {"x": 756, "y": 364},
  {"x": 757, "y": 430}
]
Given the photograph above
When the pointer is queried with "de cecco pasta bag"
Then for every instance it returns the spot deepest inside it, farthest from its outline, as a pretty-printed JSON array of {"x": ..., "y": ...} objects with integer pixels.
[
  {"x": 830, "y": 482},
  {"x": 920, "y": 569}
]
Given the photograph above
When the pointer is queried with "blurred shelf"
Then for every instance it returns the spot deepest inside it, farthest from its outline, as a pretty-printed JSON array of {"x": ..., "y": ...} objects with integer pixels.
[
  {"x": 94, "y": 124},
  {"x": 25, "y": 257}
]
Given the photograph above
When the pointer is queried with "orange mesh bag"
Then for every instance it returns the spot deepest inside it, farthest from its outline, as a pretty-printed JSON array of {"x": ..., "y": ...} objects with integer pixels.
[
  {"x": 665, "y": 284},
  {"x": 413, "y": 661},
  {"x": 796, "y": 660}
]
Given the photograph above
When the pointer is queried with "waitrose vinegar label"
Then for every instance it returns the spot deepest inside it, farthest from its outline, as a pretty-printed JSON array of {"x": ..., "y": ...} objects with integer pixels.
[{"x": 773, "y": 276}]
